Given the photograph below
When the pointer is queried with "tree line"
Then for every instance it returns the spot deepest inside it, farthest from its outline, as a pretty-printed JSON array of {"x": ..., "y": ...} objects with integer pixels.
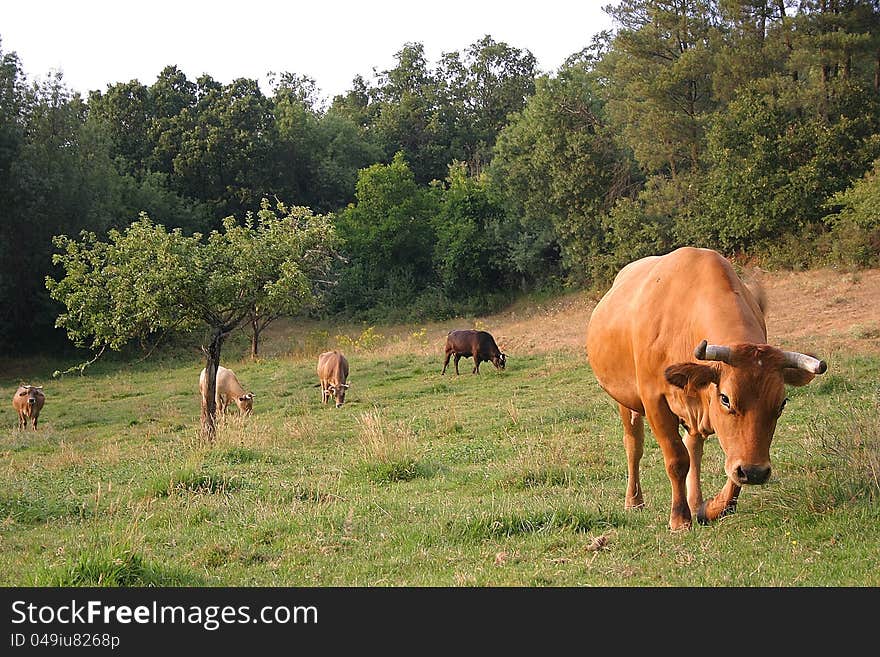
[{"x": 749, "y": 126}]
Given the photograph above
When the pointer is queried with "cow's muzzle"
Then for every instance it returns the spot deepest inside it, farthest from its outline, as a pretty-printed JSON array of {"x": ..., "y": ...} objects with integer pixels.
[
  {"x": 751, "y": 474},
  {"x": 32, "y": 401}
]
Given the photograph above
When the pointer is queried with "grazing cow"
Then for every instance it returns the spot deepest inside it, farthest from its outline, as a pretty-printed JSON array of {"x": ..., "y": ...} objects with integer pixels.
[
  {"x": 28, "y": 401},
  {"x": 333, "y": 372},
  {"x": 681, "y": 340},
  {"x": 479, "y": 345},
  {"x": 228, "y": 390}
]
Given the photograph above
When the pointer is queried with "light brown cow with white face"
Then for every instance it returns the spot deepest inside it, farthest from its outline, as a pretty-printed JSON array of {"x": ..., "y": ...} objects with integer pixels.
[
  {"x": 228, "y": 390},
  {"x": 332, "y": 375},
  {"x": 681, "y": 340},
  {"x": 28, "y": 402}
]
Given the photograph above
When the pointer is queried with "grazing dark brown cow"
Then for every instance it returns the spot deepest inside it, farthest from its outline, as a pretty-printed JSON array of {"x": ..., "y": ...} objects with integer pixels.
[
  {"x": 681, "y": 340},
  {"x": 333, "y": 373},
  {"x": 479, "y": 345},
  {"x": 28, "y": 401}
]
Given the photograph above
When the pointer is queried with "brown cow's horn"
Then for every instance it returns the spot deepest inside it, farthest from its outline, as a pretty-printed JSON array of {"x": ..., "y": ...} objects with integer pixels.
[
  {"x": 706, "y": 351},
  {"x": 804, "y": 362}
]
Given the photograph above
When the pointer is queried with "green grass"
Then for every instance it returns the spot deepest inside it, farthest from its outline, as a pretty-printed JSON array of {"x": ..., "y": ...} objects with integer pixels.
[{"x": 502, "y": 479}]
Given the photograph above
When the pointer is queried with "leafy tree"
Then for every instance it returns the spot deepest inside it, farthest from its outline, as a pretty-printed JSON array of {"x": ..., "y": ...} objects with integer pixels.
[
  {"x": 499, "y": 80},
  {"x": 560, "y": 169},
  {"x": 62, "y": 177},
  {"x": 125, "y": 111},
  {"x": 343, "y": 149},
  {"x": 146, "y": 279},
  {"x": 855, "y": 226},
  {"x": 660, "y": 72},
  {"x": 775, "y": 157},
  {"x": 172, "y": 98},
  {"x": 388, "y": 237},
  {"x": 407, "y": 96},
  {"x": 12, "y": 139},
  {"x": 468, "y": 256},
  {"x": 274, "y": 243},
  {"x": 316, "y": 155},
  {"x": 223, "y": 153}
]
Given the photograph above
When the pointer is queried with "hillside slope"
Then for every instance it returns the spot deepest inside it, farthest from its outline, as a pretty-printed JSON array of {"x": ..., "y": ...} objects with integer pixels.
[{"x": 820, "y": 310}]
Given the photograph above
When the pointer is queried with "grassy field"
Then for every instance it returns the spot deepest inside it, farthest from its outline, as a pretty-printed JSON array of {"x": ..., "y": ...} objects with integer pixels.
[{"x": 511, "y": 478}]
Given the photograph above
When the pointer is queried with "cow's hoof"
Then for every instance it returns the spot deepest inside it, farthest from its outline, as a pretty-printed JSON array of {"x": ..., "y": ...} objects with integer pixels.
[
  {"x": 702, "y": 517},
  {"x": 635, "y": 503},
  {"x": 682, "y": 526},
  {"x": 703, "y": 514},
  {"x": 679, "y": 523}
]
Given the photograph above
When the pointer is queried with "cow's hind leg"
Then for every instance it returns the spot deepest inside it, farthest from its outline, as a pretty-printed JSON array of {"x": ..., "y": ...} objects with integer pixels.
[
  {"x": 457, "y": 358},
  {"x": 633, "y": 442},
  {"x": 446, "y": 362}
]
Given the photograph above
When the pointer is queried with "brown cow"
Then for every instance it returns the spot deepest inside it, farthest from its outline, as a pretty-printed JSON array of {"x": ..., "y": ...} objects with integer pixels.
[
  {"x": 479, "y": 345},
  {"x": 28, "y": 401},
  {"x": 333, "y": 372},
  {"x": 228, "y": 390},
  {"x": 645, "y": 337}
]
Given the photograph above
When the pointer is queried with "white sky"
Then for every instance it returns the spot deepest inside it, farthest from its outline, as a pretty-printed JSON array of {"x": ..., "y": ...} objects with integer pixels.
[{"x": 99, "y": 42}]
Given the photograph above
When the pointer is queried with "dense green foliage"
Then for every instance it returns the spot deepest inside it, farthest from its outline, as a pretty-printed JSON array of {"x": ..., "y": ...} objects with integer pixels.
[
  {"x": 855, "y": 229},
  {"x": 734, "y": 124}
]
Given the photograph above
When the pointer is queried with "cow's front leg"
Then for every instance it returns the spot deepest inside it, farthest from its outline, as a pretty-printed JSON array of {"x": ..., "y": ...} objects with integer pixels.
[
  {"x": 694, "y": 444},
  {"x": 665, "y": 427},
  {"x": 723, "y": 504},
  {"x": 476, "y": 369}
]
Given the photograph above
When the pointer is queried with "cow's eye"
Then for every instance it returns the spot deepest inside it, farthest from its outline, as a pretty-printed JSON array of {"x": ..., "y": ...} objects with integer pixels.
[{"x": 725, "y": 401}]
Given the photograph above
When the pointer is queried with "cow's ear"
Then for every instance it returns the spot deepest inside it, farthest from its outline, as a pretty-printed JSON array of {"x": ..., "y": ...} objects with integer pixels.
[
  {"x": 694, "y": 375},
  {"x": 797, "y": 377}
]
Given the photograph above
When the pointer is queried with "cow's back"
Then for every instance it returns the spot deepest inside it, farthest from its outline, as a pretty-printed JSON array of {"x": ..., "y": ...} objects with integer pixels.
[
  {"x": 470, "y": 341},
  {"x": 657, "y": 310},
  {"x": 333, "y": 366},
  {"x": 227, "y": 383}
]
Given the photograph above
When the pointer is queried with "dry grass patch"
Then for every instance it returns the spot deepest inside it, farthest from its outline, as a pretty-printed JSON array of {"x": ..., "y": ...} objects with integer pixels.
[{"x": 390, "y": 451}]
